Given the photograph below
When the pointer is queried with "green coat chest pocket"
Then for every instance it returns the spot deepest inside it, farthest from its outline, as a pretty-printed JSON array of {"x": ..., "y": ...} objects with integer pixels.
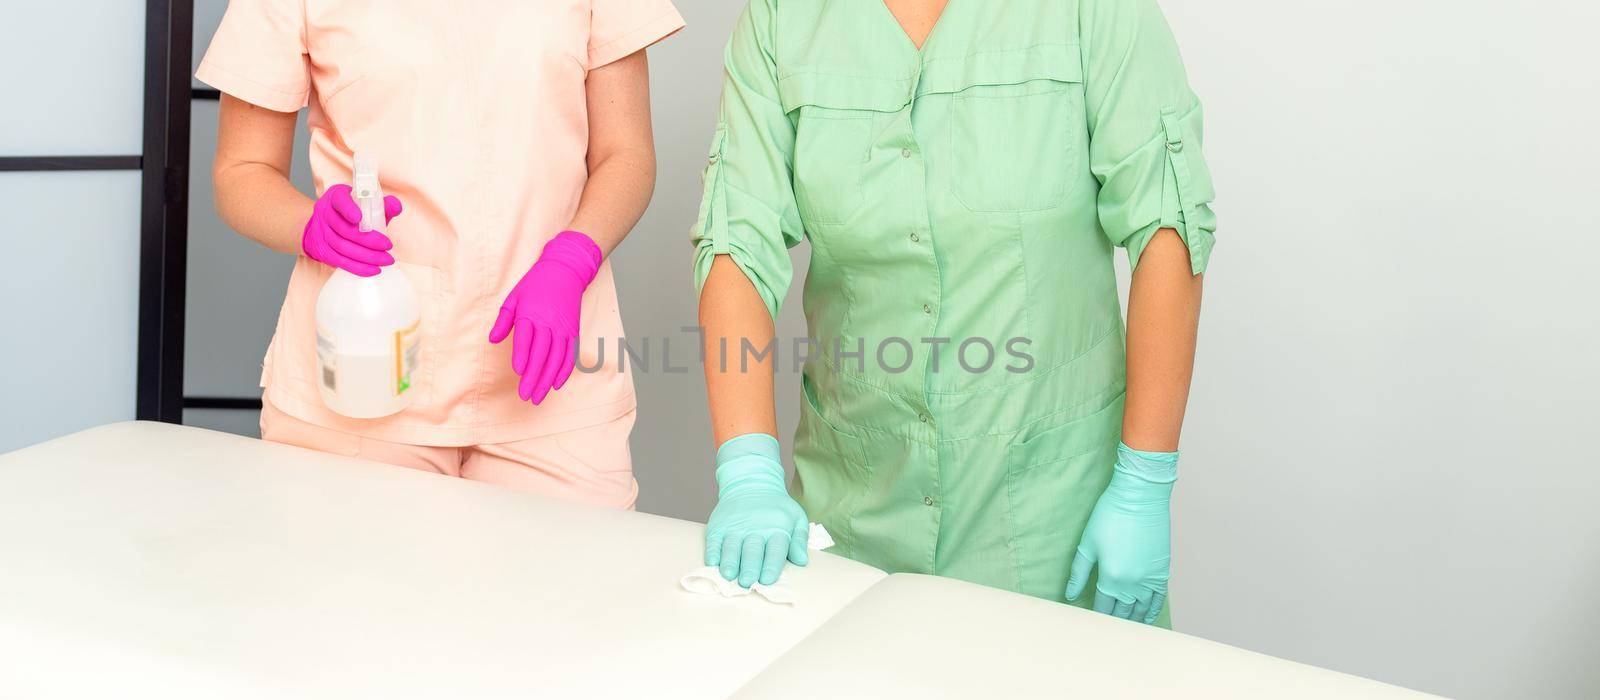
[
  {"x": 1015, "y": 147},
  {"x": 830, "y": 156},
  {"x": 834, "y": 118}
]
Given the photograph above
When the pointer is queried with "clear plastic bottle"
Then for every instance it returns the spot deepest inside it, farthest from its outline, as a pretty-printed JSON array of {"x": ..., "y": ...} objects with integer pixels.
[{"x": 367, "y": 339}]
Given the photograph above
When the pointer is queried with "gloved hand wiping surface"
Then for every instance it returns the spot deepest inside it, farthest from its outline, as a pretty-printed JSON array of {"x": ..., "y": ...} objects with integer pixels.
[
  {"x": 708, "y": 580},
  {"x": 756, "y": 525}
]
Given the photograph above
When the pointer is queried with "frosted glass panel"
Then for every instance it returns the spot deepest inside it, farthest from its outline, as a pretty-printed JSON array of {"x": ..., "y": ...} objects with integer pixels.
[
  {"x": 70, "y": 314},
  {"x": 73, "y": 85}
]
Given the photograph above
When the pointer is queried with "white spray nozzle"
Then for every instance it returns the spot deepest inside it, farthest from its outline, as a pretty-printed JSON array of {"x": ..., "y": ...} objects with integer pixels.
[
  {"x": 368, "y": 194},
  {"x": 366, "y": 166}
]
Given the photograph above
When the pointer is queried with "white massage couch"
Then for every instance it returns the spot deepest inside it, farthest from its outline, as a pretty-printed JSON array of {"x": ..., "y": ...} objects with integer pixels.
[{"x": 142, "y": 559}]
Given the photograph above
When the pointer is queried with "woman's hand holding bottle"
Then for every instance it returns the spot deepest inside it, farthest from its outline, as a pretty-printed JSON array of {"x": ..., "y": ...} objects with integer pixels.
[{"x": 333, "y": 235}]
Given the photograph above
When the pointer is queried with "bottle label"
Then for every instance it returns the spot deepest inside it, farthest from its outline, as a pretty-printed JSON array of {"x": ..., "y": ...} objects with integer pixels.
[
  {"x": 406, "y": 350},
  {"x": 327, "y": 361}
]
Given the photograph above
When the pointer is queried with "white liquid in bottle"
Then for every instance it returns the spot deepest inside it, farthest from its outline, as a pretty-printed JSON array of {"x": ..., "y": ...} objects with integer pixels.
[{"x": 367, "y": 326}]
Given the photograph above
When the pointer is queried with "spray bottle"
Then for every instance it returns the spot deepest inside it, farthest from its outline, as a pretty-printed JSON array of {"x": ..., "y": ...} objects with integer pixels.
[{"x": 367, "y": 326}]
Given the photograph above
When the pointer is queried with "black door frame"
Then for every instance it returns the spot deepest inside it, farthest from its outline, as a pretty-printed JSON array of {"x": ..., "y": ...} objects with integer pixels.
[{"x": 164, "y": 208}]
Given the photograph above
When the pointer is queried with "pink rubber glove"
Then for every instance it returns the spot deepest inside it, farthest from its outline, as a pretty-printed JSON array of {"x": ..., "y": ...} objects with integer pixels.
[
  {"x": 544, "y": 310},
  {"x": 334, "y": 237}
]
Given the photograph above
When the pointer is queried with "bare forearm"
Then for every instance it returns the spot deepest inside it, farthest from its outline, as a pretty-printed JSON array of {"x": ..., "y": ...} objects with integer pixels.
[
  {"x": 738, "y": 386},
  {"x": 622, "y": 151},
  {"x": 261, "y": 204},
  {"x": 250, "y": 177},
  {"x": 1163, "y": 321},
  {"x": 618, "y": 190}
]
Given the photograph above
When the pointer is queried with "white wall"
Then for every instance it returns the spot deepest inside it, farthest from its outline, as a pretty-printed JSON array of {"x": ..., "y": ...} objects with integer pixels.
[
  {"x": 1386, "y": 468},
  {"x": 72, "y": 76}
]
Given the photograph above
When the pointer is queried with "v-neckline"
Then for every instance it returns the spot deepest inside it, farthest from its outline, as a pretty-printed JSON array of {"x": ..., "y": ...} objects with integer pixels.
[{"x": 901, "y": 27}]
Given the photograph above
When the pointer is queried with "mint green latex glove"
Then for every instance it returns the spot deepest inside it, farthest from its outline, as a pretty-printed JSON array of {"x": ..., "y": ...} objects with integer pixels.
[
  {"x": 1129, "y": 537},
  {"x": 756, "y": 525}
]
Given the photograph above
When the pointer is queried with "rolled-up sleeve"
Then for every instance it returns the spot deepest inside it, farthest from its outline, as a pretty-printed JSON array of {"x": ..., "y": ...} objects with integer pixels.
[
  {"x": 259, "y": 54},
  {"x": 1145, "y": 127},
  {"x": 748, "y": 211}
]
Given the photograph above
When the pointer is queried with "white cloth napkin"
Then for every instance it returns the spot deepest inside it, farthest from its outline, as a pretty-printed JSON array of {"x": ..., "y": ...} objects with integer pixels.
[{"x": 708, "y": 580}]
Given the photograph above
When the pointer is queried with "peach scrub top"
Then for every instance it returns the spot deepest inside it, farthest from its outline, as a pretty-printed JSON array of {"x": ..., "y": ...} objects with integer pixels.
[{"x": 479, "y": 122}]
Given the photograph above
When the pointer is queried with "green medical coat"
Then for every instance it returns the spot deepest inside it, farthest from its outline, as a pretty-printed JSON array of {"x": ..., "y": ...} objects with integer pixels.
[{"x": 970, "y": 191}]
